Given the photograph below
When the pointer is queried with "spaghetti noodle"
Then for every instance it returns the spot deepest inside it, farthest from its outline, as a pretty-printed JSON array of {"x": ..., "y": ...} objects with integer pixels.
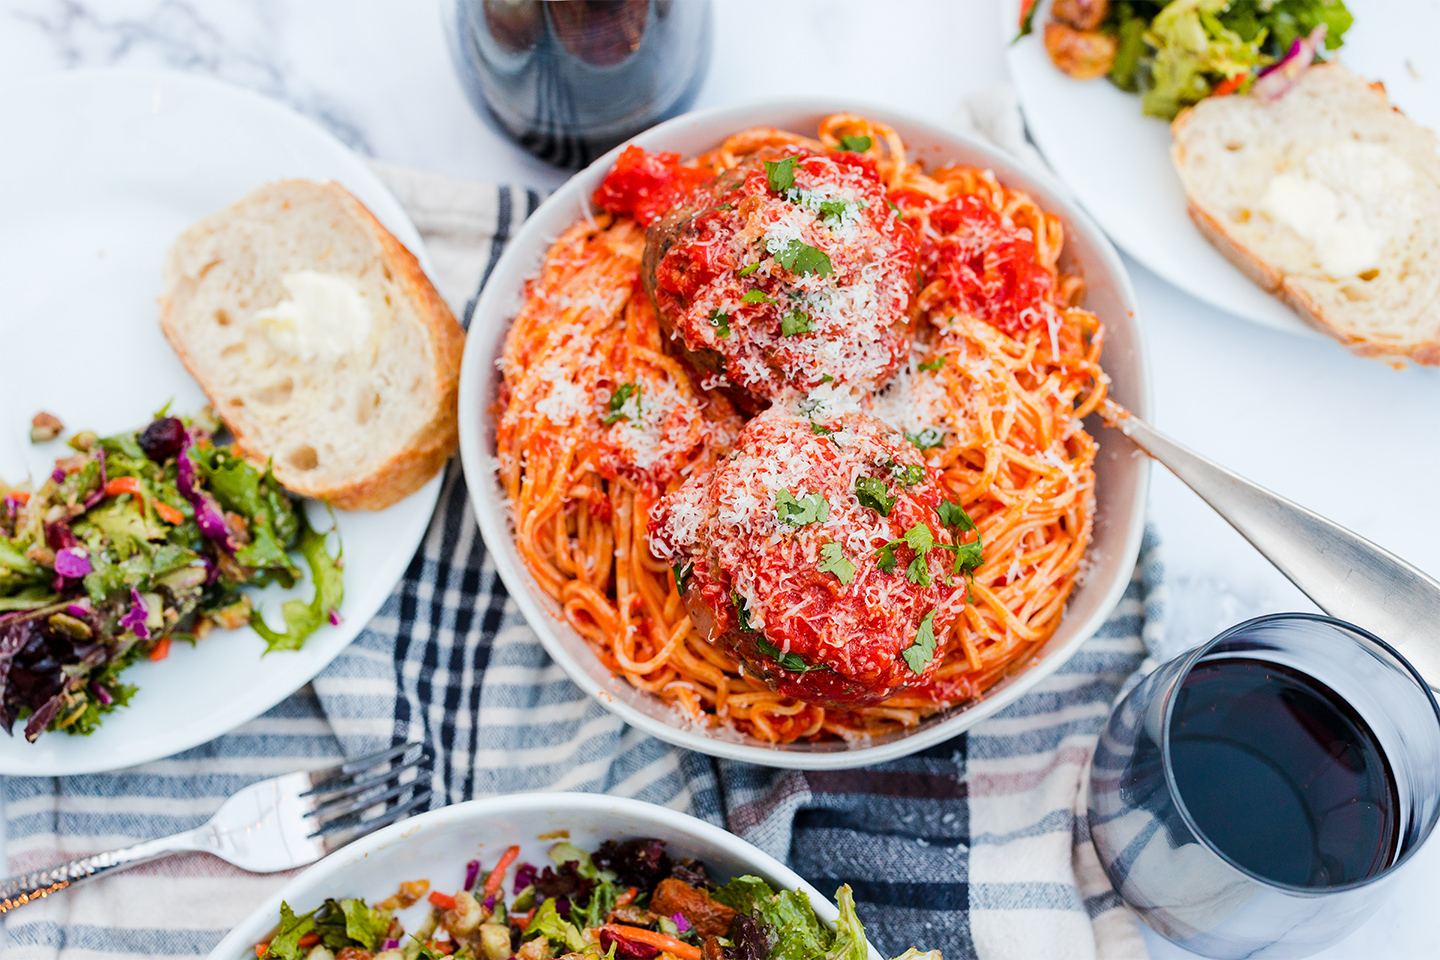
[{"x": 598, "y": 418}]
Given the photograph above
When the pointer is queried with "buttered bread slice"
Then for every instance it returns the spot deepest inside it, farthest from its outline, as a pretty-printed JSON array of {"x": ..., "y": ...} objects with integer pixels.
[
  {"x": 319, "y": 341},
  {"x": 1328, "y": 198}
]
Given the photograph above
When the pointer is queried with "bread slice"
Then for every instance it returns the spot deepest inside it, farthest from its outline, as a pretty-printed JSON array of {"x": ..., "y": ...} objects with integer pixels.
[
  {"x": 1330, "y": 199},
  {"x": 319, "y": 341}
]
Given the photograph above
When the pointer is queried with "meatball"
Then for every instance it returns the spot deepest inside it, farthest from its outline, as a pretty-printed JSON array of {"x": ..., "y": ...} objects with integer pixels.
[
  {"x": 787, "y": 272},
  {"x": 823, "y": 556}
]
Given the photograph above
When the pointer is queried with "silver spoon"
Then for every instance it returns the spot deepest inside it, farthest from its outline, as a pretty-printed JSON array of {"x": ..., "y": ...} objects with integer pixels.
[{"x": 1346, "y": 575}]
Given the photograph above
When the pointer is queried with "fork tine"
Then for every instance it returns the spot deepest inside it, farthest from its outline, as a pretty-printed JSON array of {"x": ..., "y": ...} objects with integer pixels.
[
  {"x": 343, "y": 806},
  {"x": 334, "y": 839},
  {"x": 331, "y": 793},
  {"x": 350, "y": 768}
]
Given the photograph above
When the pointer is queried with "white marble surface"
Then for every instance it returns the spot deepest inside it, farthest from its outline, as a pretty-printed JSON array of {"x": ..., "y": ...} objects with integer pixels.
[{"x": 1350, "y": 438}]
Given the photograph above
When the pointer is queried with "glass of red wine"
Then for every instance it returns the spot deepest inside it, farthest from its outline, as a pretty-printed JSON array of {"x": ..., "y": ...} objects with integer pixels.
[
  {"x": 1256, "y": 797},
  {"x": 569, "y": 79}
]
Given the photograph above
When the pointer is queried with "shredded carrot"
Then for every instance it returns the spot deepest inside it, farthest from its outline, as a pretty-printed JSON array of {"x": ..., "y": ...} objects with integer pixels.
[
  {"x": 123, "y": 485},
  {"x": 442, "y": 900},
  {"x": 308, "y": 939},
  {"x": 161, "y": 649},
  {"x": 168, "y": 513},
  {"x": 497, "y": 876},
  {"x": 659, "y": 941},
  {"x": 443, "y": 947},
  {"x": 1229, "y": 85},
  {"x": 262, "y": 948},
  {"x": 522, "y": 921},
  {"x": 626, "y": 897},
  {"x": 20, "y": 496}
]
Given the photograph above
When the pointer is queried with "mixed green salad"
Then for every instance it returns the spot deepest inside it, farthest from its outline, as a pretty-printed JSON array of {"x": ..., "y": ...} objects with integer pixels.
[
  {"x": 1177, "y": 53},
  {"x": 629, "y": 899},
  {"x": 133, "y": 542}
]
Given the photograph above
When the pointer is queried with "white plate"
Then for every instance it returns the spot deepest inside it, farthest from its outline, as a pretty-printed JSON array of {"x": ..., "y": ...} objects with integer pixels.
[
  {"x": 436, "y": 846},
  {"x": 101, "y": 171},
  {"x": 1122, "y": 474},
  {"x": 1117, "y": 160}
]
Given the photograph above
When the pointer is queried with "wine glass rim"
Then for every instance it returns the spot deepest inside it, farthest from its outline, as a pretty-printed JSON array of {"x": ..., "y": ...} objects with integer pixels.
[{"x": 1193, "y": 659}]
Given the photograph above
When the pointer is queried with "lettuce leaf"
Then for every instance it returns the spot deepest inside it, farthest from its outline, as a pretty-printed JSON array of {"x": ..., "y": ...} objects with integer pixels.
[{"x": 301, "y": 618}]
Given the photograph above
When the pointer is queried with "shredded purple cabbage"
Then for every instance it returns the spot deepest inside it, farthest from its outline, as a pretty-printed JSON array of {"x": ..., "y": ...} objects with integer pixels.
[
  {"x": 472, "y": 869},
  {"x": 58, "y": 475},
  {"x": 72, "y": 562},
  {"x": 1276, "y": 79},
  {"x": 134, "y": 621},
  {"x": 525, "y": 876},
  {"x": 80, "y": 608},
  {"x": 335, "y": 621},
  {"x": 390, "y": 944},
  {"x": 101, "y": 693},
  {"x": 490, "y": 902},
  {"x": 681, "y": 923},
  {"x": 208, "y": 515}
]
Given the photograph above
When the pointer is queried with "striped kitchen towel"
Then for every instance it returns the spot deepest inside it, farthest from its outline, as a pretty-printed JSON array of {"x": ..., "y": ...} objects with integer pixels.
[{"x": 976, "y": 846}]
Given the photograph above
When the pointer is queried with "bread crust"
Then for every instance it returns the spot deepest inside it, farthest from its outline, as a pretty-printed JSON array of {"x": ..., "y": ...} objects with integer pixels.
[
  {"x": 428, "y": 447},
  {"x": 1272, "y": 279}
]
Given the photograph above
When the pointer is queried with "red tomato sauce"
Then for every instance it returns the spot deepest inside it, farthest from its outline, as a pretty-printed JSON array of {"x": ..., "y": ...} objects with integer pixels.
[{"x": 647, "y": 185}]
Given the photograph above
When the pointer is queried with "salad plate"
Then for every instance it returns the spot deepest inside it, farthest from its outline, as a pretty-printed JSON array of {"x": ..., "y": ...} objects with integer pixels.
[
  {"x": 1117, "y": 162},
  {"x": 114, "y": 165}
]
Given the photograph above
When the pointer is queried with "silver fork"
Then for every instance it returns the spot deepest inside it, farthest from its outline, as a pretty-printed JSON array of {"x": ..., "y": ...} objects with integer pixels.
[{"x": 276, "y": 824}]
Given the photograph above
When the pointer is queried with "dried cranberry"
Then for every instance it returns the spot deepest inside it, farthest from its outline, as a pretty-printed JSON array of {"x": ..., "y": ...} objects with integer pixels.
[
  {"x": 750, "y": 942},
  {"x": 163, "y": 439}
]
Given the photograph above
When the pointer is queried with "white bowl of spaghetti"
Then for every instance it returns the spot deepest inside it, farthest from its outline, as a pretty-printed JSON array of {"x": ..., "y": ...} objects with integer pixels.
[{"x": 1058, "y": 503}]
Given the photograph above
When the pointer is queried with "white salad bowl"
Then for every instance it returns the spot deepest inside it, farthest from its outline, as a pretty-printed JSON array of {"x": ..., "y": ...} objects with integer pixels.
[
  {"x": 1122, "y": 474},
  {"x": 437, "y": 845}
]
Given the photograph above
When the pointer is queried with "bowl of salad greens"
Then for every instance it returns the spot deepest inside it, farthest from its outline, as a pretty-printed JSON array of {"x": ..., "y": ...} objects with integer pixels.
[
  {"x": 133, "y": 543},
  {"x": 552, "y": 875}
]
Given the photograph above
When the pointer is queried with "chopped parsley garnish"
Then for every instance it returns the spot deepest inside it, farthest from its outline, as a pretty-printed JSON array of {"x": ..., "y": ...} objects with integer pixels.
[
  {"x": 935, "y": 364},
  {"x": 799, "y": 257},
  {"x": 919, "y": 654},
  {"x": 919, "y": 539},
  {"x": 619, "y": 399},
  {"x": 908, "y": 473},
  {"x": 726, "y": 206},
  {"x": 682, "y": 572},
  {"x": 721, "y": 322},
  {"x": 968, "y": 556},
  {"x": 746, "y": 271},
  {"x": 781, "y": 173},
  {"x": 822, "y": 431},
  {"x": 741, "y": 614},
  {"x": 795, "y": 322},
  {"x": 874, "y": 493},
  {"x": 756, "y": 296},
  {"x": 833, "y": 211},
  {"x": 826, "y": 378},
  {"x": 855, "y": 144},
  {"x": 899, "y": 214},
  {"x": 790, "y": 661},
  {"x": 833, "y": 560},
  {"x": 811, "y": 508},
  {"x": 927, "y": 438}
]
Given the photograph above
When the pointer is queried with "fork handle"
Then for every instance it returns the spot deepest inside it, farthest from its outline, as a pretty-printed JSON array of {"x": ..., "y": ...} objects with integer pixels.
[{"x": 38, "y": 884}]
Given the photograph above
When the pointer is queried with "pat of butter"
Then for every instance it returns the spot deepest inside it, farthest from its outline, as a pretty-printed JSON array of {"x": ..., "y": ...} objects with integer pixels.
[
  {"x": 1332, "y": 201},
  {"x": 325, "y": 315}
]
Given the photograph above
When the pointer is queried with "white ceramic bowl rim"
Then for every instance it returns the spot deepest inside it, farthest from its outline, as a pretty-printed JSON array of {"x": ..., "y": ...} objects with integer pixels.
[{"x": 496, "y": 307}]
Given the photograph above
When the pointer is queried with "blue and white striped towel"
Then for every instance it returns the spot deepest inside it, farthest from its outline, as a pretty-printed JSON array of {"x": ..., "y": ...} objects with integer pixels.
[{"x": 977, "y": 846}]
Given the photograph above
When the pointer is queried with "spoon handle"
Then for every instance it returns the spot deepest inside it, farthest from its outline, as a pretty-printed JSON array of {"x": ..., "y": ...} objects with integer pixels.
[{"x": 1346, "y": 575}]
